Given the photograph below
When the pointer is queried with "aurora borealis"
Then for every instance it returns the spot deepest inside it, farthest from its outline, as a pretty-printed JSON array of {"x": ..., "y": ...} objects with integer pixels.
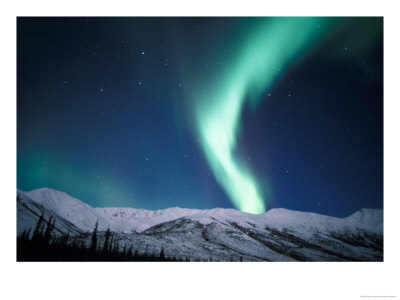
[
  {"x": 249, "y": 113},
  {"x": 270, "y": 47}
]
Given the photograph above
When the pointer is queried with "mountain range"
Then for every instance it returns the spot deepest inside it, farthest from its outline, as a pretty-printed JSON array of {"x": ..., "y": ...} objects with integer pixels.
[{"x": 218, "y": 234}]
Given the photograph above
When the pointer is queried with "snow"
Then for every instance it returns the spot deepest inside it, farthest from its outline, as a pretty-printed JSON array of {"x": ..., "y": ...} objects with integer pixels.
[
  {"x": 77, "y": 212},
  {"x": 130, "y": 219},
  {"x": 277, "y": 235},
  {"x": 28, "y": 213}
]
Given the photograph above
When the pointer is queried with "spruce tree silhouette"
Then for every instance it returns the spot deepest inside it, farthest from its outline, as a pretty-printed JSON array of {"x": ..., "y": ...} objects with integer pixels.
[
  {"x": 93, "y": 246},
  {"x": 162, "y": 254},
  {"x": 38, "y": 232},
  {"x": 107, "y": 237},
  {"x": 49, "y": 230}
]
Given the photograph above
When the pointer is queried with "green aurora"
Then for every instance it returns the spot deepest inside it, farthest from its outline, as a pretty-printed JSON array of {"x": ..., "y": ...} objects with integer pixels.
[{"x": 270, "y": 46}]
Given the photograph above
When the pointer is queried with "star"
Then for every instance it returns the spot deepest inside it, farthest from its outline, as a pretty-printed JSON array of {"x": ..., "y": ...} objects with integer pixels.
[{"x": 142, "y": 52}]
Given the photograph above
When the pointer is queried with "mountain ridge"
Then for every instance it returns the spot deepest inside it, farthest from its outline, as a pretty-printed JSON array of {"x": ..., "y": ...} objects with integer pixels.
[
  {"x": 223, "y": 234},
  {"x": 84, "y": 216}
]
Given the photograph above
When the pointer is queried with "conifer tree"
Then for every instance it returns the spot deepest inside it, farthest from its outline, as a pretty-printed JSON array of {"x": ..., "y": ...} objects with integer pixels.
[
  {"x": 107, "y": 237},
  {"x": 162, "y": 254},
  {"x": 130, "y": 250},
  {"x": 66, "y": 238},
  {"x": 25, "y": 234},
  {"x": 37, "y": 233},
  {"x": 49, "y": 229},
  {"x": 116, "y": 247},
  {"x": 93, "y": 246},
  {"x": 110, "y": 247}
]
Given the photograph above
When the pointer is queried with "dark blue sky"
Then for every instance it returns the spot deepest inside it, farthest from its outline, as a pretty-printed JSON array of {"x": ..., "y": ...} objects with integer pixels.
[{"x": 102, "y": 114}]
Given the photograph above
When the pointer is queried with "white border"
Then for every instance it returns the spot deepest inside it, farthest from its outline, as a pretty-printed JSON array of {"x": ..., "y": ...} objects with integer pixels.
[{"x": 198, "y": 280}]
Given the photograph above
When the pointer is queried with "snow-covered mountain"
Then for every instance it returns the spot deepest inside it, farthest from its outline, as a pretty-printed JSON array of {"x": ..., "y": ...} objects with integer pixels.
[
  {"x": 29, "y": 211},
  {"x": 277, "y": 235}
]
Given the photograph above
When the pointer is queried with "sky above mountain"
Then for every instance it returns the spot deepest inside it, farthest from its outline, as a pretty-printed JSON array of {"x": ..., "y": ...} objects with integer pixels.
[{"x": 249, "y": 113}]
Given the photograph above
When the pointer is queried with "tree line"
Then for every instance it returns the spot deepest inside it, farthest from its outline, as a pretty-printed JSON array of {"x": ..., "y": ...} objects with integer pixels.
[{"x": 43, "y": 245}]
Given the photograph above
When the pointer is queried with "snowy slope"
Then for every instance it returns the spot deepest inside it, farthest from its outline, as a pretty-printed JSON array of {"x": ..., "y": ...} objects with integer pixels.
[
  {"x": 77, "y": 212},
  {"x": 29, "y": 212},
  {"x": 128, "y": 219},
  {"x": 277, "y": 235}
]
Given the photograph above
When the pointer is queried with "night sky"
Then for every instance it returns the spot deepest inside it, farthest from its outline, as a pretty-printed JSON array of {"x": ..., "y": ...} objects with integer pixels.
[{"x": 245, "y": 113}]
